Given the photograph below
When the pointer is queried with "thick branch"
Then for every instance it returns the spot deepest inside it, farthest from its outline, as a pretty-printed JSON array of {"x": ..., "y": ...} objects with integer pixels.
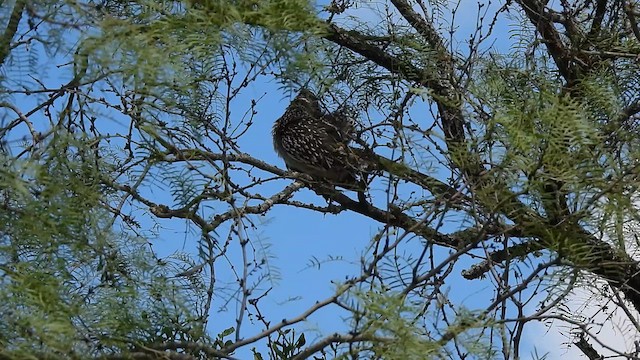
[
  {"x": 10, "y": 32},
  {"x": 422, "y": 26},
  {"x": 515, "y": 251},
  {"x": 587, "y": 349},
  {"x": 356, "y": 42},
  {"x": 402, "y": 171},
  {"x": 596, "y": 24},
  {"x": 337, "y": 338},
  {"x": 393, "y": 218},
  {"x": 600, "y": 258},
  {"x": 191, "y": 346},
  {"x": 534, "y": 10},
  {"x": 578, "y": 247},
  {"x": 436, "y": 187},
  {"x": 445, "y": 95}
]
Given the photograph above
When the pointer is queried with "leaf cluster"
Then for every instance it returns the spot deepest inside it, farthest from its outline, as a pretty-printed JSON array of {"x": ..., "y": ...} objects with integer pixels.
[{"x": 71, "y": 286}]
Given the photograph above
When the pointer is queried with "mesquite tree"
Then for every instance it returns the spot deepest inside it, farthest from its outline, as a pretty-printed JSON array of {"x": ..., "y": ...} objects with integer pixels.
[{"x": 498, "y": 144}]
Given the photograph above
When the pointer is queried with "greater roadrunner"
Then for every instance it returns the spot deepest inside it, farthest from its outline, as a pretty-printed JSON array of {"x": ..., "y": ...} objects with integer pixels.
[{"x": 317, "y": 143}]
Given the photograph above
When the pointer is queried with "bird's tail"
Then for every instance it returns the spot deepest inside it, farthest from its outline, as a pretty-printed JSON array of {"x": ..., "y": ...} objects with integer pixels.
[{"x": 369, "y": 162}]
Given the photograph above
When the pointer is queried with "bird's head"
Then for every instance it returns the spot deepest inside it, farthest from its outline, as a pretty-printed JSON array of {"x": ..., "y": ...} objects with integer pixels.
[
  {"x": 306, "y": 96},
  {"x": 306, "y": 103}
]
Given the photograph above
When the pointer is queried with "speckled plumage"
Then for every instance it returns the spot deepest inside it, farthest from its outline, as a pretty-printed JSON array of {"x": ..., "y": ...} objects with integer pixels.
[{"x": 315, "y": 143}]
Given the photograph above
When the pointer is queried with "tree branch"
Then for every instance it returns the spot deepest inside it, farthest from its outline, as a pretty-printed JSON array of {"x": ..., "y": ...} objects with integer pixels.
[
  {"x": 587, "y": 349},
  {"x": 336, "y": 339},
  {"x": 534, "y": 10},
  {"x": 10, "y": 31}
]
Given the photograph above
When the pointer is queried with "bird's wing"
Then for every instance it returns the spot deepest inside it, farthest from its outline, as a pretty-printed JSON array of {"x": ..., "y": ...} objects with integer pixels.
[{"x": 340, "y": 125}]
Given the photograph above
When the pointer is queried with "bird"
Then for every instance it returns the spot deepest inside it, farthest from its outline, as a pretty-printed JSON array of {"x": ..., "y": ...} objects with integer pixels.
[{"x": 316, "y": 143}]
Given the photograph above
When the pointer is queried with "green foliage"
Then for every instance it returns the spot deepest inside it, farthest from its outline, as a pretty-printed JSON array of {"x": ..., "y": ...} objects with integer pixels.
[
  {"x": 293, "y": 15},
  {"x": 389, "y": 317},
  {"x": 543, "y": 132},
  {"x": 396, "y": 329},
  {"x": 71, "y": 286},
  {"x": 286, "y": 346},
  {"x": 154, "y": 44},
  {"x": 546, "y": 134}
]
